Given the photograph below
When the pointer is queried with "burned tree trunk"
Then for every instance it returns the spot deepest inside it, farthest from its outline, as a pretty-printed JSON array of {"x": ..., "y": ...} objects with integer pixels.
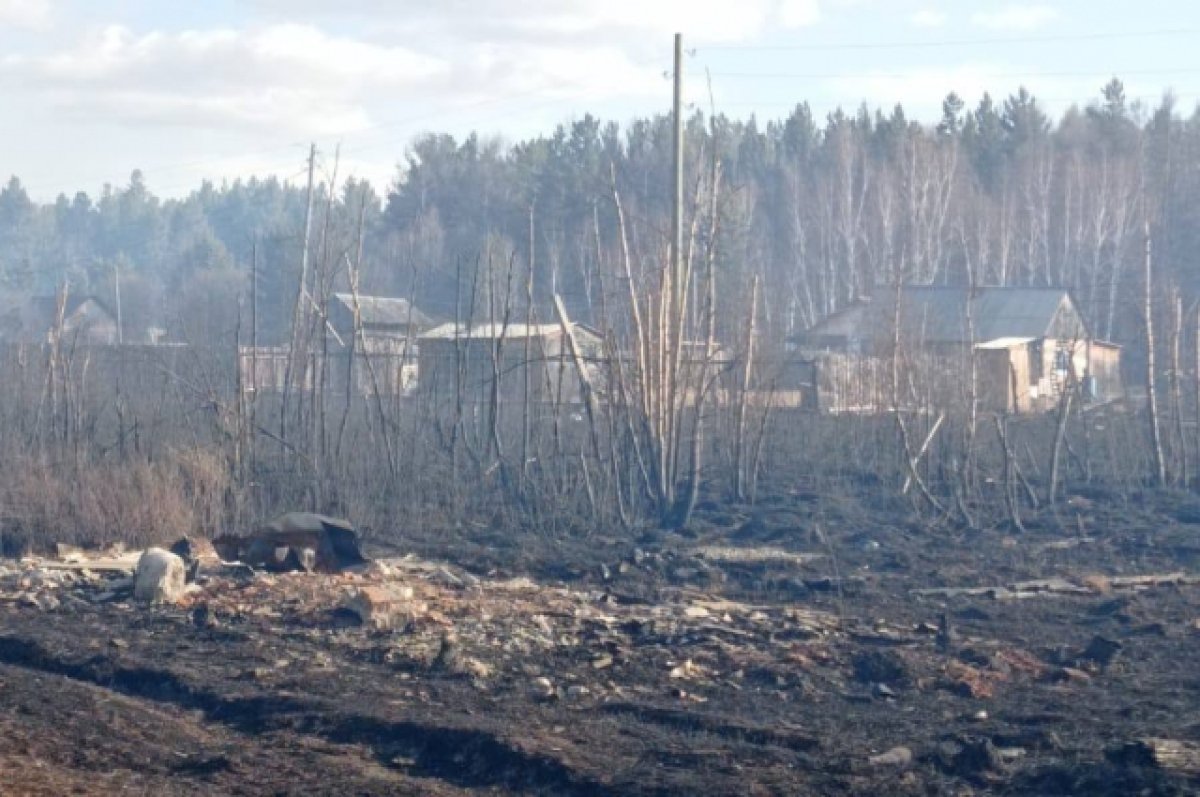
[{"x": 1156, "y": 444}]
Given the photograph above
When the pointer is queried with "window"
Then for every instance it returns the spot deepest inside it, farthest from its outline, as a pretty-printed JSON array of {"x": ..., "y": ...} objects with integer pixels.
[
  {"x": 1062, "y": 360},
  {"x": 1035, "y": 361}
]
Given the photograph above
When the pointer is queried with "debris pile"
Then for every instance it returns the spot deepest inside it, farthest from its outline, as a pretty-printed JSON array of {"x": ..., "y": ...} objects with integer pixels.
[
  {"x": 74, "y": 578},
  {"x": 554, "y": 641},
  {"x": 296, "y": 541}
]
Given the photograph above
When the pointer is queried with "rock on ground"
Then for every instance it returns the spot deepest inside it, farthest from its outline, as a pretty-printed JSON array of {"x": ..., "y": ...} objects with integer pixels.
[{"x": 160, "y": 577}]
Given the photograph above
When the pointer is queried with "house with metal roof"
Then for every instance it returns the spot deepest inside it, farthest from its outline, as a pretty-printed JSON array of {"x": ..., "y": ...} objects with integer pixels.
[
  {"x": 1024, "y": 345},
  {"x": 511, "y": 362},
  {"x": 379, "y": 316},
  {"x": 372, "y": 342}
]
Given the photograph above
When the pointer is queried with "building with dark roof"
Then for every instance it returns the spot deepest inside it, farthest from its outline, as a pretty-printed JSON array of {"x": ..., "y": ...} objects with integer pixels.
[
  {"x": 85, "y": 321},
  {"x": 1026, "y": 345}
]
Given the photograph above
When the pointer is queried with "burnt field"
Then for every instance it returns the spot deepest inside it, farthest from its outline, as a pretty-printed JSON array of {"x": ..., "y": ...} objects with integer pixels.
[{"x": 805, "y": 646}]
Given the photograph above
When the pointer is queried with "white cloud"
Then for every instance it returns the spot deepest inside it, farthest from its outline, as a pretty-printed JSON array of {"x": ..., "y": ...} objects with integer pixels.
[
  {"x": 294, "y": 79},
  {"x": 625, "y": 22},
  {"x": 291, "y": 111},
  {"x": 1016, "y": 17},
  {"x": 292, "y": 55},
  {"x": 929, "y": 18},
  {"x": 799, "y": 13},
  {"x": 554, "y": 71},
  {"x": 392, "y": 69},
  {"x": 26, "y": 14},
  {"x": 703, "y": 19}
]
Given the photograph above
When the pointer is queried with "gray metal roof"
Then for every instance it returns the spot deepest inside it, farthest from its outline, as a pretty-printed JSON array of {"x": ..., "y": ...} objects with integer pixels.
[
  {"x": 512, "y": 331},
  {"x": 937, "y": 314},
  {"x": 383, "y": 311}
]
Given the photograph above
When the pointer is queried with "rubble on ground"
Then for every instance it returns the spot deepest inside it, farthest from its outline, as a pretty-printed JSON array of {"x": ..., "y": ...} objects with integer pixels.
[
  {"x": 511, "y": 633},
  {"x": 384, "y": 607},
  {"x": 580, "y": 643},
  {"x": 431, "y": 616}
]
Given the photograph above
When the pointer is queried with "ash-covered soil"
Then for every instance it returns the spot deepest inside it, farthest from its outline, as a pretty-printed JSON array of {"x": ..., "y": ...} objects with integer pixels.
[{"x": 803, "y": 646}]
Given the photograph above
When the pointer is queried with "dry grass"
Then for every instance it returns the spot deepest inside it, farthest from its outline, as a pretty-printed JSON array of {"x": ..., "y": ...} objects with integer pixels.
[{"x": 137, "y": 502}]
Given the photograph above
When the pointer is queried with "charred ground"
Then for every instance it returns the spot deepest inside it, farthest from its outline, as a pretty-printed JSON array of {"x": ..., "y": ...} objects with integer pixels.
[{"x": 784, "y": 649}]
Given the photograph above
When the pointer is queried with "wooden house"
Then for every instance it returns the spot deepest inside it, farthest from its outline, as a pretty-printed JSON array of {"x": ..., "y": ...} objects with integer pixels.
[
  {"x": 378, "y": 353},
  {"x": 382, "y": 318},
  {"x": 513, "y": 360},
  {"x": 384, "y": 357},
  {"x": 85, "y": 321},
  {"x": 1025, "y": 346}
]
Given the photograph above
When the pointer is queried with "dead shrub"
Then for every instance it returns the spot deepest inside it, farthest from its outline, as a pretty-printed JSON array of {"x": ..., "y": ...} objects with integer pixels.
[{"x": 137, "y": 502}]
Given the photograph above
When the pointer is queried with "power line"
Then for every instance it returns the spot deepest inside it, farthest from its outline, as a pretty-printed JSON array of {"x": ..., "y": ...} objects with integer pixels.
[
  {"x": 789, "y": 105},
  {"x": 1052, "y": 38},
  {"x": 919, "y": 73}
]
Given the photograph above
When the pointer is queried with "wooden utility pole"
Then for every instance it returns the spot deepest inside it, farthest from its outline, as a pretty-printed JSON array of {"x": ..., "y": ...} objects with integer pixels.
[
  {"x": 301, "y": 294},
  {"x": 671, "y": 331},
  {"x": 677, "y": 206}
]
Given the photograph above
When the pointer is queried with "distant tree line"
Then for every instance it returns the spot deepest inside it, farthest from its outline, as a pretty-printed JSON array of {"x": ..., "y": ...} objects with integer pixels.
[{"x": 820, "y": 210}]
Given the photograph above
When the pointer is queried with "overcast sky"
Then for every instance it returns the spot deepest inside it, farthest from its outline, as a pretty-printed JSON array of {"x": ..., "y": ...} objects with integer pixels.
[{"x": 184, "y": 89}]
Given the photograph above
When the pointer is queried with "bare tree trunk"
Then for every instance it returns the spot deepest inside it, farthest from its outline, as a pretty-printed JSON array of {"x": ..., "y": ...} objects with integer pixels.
[
  {"x": 1179, "y": 442},
  {"x": 1196, "y": 384},
  {"x": 360, "y": 336},
  {"x": 1160, "y": 466},
  {"x": 739, "y": 440},
  {"x": 915, "y": 460},
  {"x": 586, "y": 388},
  {"x": 353, "y": 272},
  {"x": 1060, "y": 433},
  {"x": 528, "y": 370},
  {"x": 968, "y": 476},
  {"x": 1010, "y": 478},
  {"x": 910, "y": 462}
]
